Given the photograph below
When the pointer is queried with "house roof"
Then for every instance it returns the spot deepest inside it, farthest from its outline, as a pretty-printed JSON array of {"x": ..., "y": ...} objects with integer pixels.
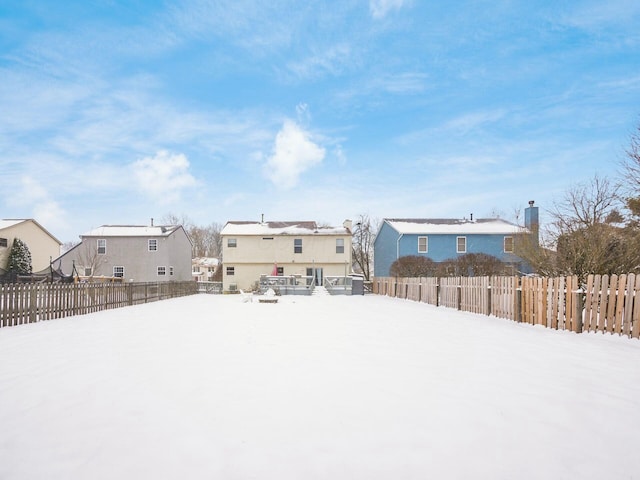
[
  {"x": 11, "y": 222},
  {"x": 281, "y": 228},
  {"x": 453, "y": 226},
  {"x": 132, "y": 231}
]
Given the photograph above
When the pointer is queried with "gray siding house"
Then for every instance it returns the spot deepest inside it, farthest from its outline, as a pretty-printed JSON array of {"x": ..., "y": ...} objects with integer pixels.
[{"x": 132, "y": 252}]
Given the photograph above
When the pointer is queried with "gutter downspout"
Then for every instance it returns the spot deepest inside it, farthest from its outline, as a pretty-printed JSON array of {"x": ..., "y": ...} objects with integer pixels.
[{"x": 398, "y": 246}]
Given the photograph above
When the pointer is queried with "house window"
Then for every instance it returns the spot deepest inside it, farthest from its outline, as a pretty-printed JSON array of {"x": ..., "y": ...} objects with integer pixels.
[
  {"x": 231, "y": 271},
  {"x": 118, "y": 272},
  {"x": 232, "y": 242},
  {"x": 102, "y": 246},
  {"x": 153, "y": 245},
  {"x": 508, "y": 244},
  {"x": 162, "y": 271},
  {"x": 88, "y": 271},
  {"x": 423, "y": 244},
  {"x": 461, "y": 245},
  {"x": 195, "y": 269},
  {"x": 3, "y": 242},
  {"x": 339, "y": 245},
  {"x": 280, "y": 271},
  {"x": 170, "y": 271},
  {"x": 297, "y": 245}
]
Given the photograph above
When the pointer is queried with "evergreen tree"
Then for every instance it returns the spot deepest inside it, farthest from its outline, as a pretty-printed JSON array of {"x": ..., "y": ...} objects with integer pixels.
[{"x": 19, "y": 258}]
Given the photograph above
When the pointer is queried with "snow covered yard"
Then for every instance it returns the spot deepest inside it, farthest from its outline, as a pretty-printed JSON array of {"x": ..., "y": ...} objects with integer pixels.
[{"x": 314, "y": 388}]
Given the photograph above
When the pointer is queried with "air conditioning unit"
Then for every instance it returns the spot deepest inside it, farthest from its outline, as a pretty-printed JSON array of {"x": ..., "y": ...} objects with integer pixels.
[{"x": 233, "y": 287}]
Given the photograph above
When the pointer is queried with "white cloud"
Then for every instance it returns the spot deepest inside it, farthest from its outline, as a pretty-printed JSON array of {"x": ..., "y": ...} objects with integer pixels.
[
  {"x": 44, "y": 209},
  {"x": 294, "y": 153},
  {"x": 163, "y": 176},
  {"x": 380, "y": 8}
]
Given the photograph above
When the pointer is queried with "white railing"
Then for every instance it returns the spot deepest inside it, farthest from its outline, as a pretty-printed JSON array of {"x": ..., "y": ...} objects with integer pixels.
[
  {"x": 287, "y": 284},
  {"x": 338, "y": 285}
]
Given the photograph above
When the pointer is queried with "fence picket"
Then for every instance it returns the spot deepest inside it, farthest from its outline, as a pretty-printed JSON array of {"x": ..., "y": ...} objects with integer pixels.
[{"x": 628, "y": 304}]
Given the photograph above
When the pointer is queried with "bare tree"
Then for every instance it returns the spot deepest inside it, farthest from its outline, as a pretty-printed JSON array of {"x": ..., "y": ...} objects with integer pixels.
[
  {"x": 585, "y": 234},
  {"x": 207, "y": 241},
  {"x": 631, "y": 165},
  {"x": 586, "y": 204},
  {"x": 364, "y": 234}
]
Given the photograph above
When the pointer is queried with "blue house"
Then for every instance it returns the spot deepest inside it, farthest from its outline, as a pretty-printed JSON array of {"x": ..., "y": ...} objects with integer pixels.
[{"x": 443, "y": 239}]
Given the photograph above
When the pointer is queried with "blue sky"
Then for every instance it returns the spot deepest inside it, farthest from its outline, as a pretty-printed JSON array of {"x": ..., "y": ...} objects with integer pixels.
[{"x": 113, "y": 112}]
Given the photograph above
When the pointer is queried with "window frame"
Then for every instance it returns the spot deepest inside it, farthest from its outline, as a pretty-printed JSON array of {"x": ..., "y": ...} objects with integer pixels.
[
  {"x": 170, "y": 271},
  {"x": 339, "y": 245},
  {"x": 511, "y": 240},
  {"x": 161, "y": 271},
  {"x": 101, "y": 243},
  {"x": 426, "y": 244},
  {"x": 230, "y": 271},
  {"x": 155, "y": 243},
  {"x": 4, "y": 242},
  {"x": 464, "y": 239},
  {"x": 297, "y": 245},
  {"x": 118, "y": 271},
  {"x": 232, "y": 242},
  {"x": 88, "y": 271}
]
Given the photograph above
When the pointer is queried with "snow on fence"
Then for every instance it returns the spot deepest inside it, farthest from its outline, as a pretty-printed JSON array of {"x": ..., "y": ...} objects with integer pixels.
[
  {"x": 603, "y": 304},
  {"x": 27, "y": 303}
]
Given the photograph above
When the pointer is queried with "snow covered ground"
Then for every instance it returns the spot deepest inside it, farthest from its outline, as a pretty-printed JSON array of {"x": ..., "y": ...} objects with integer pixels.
[{"x": 314, "y": 388}]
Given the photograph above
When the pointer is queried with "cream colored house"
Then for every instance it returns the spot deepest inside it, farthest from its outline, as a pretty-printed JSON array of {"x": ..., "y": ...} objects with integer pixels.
[
  {"x": 42, "y": 245},
  {"x": 204, "y": 269},
  {"x": 252, "y": 249}
]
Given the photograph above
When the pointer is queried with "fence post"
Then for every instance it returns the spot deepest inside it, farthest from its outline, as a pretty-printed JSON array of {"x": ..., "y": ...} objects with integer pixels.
[
  {"x": 437, "y": 292},
  {"x": 518, "y": 312},
  {"x": 489, "y": 300},
  {"x": 33, "y": 303},
  {"x": 578, "y": 304},
  {"x": 459, "y": 297}
]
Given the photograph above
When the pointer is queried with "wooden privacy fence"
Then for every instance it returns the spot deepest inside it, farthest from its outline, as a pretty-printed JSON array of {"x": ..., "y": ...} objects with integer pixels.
[
  {"x": 604, "y": 304},
  {"x": 32, "y": 302}
]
